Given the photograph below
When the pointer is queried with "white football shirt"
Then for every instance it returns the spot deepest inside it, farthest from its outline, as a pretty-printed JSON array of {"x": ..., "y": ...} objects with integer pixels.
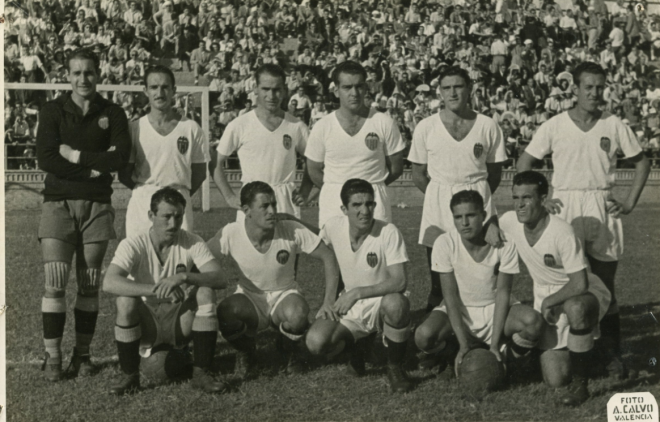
[
  {"x": 167, "y": 160},
  {"x": 454, "y": 163},
  {"x": 138, "y": 257},
  {"x": 477, "y": 281},
  {"x": 265, "y": 156},
  {"x": 555, "y": 255},
  {"x": 583, "y": 161},
  {"x": 361, "y": 156},
  {"x": 367, "y": 266},
  {"x": 270, "y": 271}
]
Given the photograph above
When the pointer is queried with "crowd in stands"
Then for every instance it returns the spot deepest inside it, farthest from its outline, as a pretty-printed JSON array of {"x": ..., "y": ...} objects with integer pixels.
[{"x": 519, "y": 54}]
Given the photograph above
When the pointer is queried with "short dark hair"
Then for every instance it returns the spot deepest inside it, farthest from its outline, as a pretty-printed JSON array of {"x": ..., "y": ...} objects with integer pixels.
[
  {"x": 271, "y": 69},
  {"x": 531, "y": 177},
  {"x": 455, "y": 71},
  {"x": 84, "y": 54},
  {"x": 353, "y": 186},
  {"x": 250, "y": 191},
  {"x": 467, "y": 197},
  {"x": 159, "y": 69},
  {"x": 167, "y": 195},
  {"x": 587, "y": 67},
  {"x": 349, "y": 67}
]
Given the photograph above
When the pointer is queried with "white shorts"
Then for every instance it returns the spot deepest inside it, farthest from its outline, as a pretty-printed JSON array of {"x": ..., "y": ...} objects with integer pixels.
[
  {"x": 601, "y": 235},
  {"x": 478, "y": 319},
  {"x": 283, "y": 195},
  {"x": 137, "y": 213},
  {"x": 265, "y": 303},
  {"x": 556, "y": 336},
  {"x": 364, "y": 318},
  {"x": 330, "y": 202},
  {"x": 437, "y": 217}
]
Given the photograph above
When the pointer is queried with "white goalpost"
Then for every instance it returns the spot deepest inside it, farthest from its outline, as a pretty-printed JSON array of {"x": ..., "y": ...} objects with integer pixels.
[{"x": 203, "y": 90}]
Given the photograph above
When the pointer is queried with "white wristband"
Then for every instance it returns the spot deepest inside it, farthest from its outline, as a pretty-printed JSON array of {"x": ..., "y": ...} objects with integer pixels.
[{"x": 75, "y": 156}]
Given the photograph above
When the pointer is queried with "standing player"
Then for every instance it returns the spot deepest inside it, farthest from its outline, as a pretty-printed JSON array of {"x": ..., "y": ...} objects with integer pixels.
[
  {"x": 571, "y": 300},
  {"x": 267, "y": 140},
  {"x": 454, "y": 150},
  {"x": 371, "y": 256},
  {"x": 163, "y": 293},
  {"x": 353, "y": 142},
  {"x": 82, "y": 139},
  {"x": 264, "y": 250},
  {"x": 476, "y": 281},
  {"x": 168, "y": 150},
  {"x": 584, "y": 142}
]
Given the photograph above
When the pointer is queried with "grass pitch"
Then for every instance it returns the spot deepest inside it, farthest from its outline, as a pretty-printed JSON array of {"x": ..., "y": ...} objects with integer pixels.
[{"x": 325, "y": 392}]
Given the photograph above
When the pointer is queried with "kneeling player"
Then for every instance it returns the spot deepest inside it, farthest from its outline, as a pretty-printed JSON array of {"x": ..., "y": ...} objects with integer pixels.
[
  {"x": 571, "y": 300},
  {"x": 164, "y": 294},
  {"x": 476, "y": 283},
  {"x": 371, "y": 256},
  {"x": 265, "y": 250}
]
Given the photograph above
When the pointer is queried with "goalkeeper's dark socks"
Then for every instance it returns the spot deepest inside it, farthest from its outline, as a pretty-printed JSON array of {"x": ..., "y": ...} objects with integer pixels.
[
  {"x": 53, "y": 311},
  {"x": 204, "y": 348},
  {"x": 128, "y": 347},
  {"x": 86, "y": 314}
]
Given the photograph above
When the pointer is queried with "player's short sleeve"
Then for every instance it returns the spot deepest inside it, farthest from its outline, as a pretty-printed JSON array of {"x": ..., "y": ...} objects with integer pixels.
[
  {"x": 509, "y": 258},
  {"x": 393, "y": 141},
  {"x": 441, "y": 254},
  {"x": 218, "y": 245},
  {"x": 199, "y": 251},
  {"x": 541, "y": 144},
  {"x": 200, "y": 147},
  {"x": 394, "y": 247},
  {"x": 230, "y": 140},
  {"x": 134, "y": 131},
  {"x": 628, "y": 142},
  {"x": 418, "y": 151},
  {"x": 305, "y": 239},
  {"x": 570, "y": 251},
  {"x": 497, "y": 152},
  {"x": 303, "y": 136},
  {"x": 126, "y": 255},
  {"x": 315, "y": 150}
]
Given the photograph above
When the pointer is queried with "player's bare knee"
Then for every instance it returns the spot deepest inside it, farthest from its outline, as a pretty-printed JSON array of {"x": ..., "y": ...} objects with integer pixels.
[
  {"x": 395, "y": 308},
  {"x": 532, "y": 324},
  {"x": 423, "y": 337},
  {"x": 578, "y": 313},
  {"x": 295, "y": 316},
  {"x": 128, "y": 310}
]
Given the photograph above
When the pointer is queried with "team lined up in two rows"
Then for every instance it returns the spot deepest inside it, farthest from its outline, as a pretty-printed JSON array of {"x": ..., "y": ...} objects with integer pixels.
[{"x": 570, "y": 243}]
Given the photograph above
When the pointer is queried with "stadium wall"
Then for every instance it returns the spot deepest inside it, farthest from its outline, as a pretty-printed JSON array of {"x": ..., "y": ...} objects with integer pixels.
[{"x": 23, "y": 190}]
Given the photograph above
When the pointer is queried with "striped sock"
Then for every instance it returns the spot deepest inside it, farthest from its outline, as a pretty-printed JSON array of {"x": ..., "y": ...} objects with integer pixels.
[
  {"x": 53, "y": 311},
  {"x": 86, "y": 313}
]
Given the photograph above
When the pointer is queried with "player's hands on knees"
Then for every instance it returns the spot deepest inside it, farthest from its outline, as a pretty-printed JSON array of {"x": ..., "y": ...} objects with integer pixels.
[
  {"x": 297, "y": 198},
  {"x": 177, "y": 295},
  {"x": 494, "y": 236},
  {"x": 616, "y": 208},
  {"x": 553, "y": 206},
  {"x": 327, "y": 312},
  {"x": 345, "y": 302},
  {"x": 550, "y": 313},
  {"x": 167, "y": 286}
]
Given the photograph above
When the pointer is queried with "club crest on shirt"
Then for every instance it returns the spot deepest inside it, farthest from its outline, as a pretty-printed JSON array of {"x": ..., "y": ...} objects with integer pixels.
[
  {"x": 372, "y": 141},
  {"x": 180, "y": 269},
  {"x": 372, "y": 259},
  {"x": 104, "y": 122},
  {"x": 282, "y": 257},
  {"x": 182, "y": 144},
  {"x": 605, "y": 144},
  {"x": 549, "y": 260},
  {"x": 286, "y": 141},
  {"x": 478, "y": 150}
]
